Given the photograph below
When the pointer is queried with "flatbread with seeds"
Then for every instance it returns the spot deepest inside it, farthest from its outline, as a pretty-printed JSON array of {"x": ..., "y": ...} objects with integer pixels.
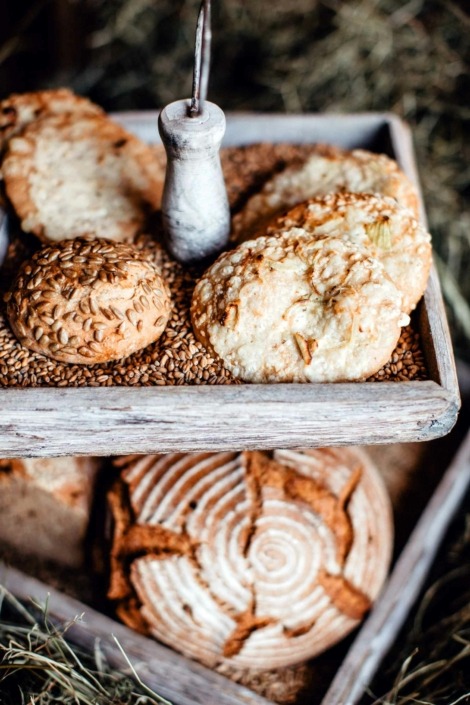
[
  {"x": 71, "y": 175},
  {"x": 20, "y": 109},
  {"x": 324, "y": 171},
  {"x": 391, "y": 232},
  {"x": 293, "y": 307}
]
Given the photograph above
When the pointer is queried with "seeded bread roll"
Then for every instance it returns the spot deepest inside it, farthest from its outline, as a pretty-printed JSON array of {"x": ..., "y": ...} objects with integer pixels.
[
  {"x": 19, "y": 110},
  {"x": 73, "y": 174},
  {"x": 298, "y": 307},
  {"x": 249, "y": 560},
  {"x": 390, "y": 231},
  {"x": 326, "y": 171},
  {"x": 86, "y": 301}
]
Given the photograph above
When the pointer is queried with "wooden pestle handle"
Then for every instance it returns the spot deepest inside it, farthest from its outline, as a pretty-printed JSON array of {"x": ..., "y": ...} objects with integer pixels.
[{"x": 195, "y": 208}]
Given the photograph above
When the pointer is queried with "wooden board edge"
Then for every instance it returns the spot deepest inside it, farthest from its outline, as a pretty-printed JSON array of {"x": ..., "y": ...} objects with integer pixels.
[
  {"x": 181, "y": 680},
  {"x": 389, "y": 614},
  {"x": 197, "y": 419},
  {"x": 434, "y": 328}
]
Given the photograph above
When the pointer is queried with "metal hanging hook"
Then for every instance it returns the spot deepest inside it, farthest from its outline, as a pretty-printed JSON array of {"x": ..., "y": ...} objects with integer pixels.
[
  {"x": 202, "y": 57},
  {"x": 195, "y": 208}
]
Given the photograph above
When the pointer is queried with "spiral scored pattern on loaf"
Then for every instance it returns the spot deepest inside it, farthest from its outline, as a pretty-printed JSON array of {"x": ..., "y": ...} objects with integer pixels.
[{"x": 249, "y": 559}]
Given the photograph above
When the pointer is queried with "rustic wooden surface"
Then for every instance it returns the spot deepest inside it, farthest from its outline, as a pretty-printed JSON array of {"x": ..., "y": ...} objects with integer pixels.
[
  {"x": 116, "y": 421},
  {"x": 176, "y": 678},
  {"x": 36, "y": 422},
  {"x": 382, "y": 627}
]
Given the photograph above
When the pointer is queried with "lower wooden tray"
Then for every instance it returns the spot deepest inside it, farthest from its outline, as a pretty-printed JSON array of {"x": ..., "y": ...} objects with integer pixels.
[
  {"x": 185, "y": 682},
  {"x": 74, "y": 421}
]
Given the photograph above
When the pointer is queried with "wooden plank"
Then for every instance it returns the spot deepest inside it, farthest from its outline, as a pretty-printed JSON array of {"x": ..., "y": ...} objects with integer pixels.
[
  {"x": 348, "y": 131},
  {"x": 176, "y": 678},
  {"x": 434, "y": 329},
  {"x": 382, "y": 627},
  {"x": 47, "y": 422}
]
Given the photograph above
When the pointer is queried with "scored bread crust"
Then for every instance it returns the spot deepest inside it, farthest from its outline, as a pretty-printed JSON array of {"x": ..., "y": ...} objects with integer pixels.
[
  {"x": 70, "y": 175},
  {"x": 298, "y": 308},
  {"x": 323, "y": 172},
  {"x": 390, "y": 231},
  {"x": 250, "y": 560},
  {"x": 20, "y": 109},
  {"x": 87, "y": 301}
]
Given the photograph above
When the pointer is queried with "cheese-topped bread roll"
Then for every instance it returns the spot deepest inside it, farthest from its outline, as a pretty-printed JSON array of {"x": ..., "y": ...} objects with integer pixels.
[
  {"x": 325, "y": 171},
  {"x": 299, "y": 307}
]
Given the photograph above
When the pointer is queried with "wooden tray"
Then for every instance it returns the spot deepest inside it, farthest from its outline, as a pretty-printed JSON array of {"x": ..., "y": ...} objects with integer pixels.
[
  {"x": 98, "y": 421},
  {"x": 185, "y": 682}
]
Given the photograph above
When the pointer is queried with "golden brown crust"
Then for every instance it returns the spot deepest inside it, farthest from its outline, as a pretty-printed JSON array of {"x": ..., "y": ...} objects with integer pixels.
[
  {"x": 82, "y": 174},
  {"x": 87, "y": 301},
  {"x": 324, "y": 170},
  {"x": 20, "y": 109},
  {"x": 391, "y": 232}
]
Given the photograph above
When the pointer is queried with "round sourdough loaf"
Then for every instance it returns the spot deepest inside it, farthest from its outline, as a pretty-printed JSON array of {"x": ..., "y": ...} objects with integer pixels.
[
  {"x": 299, "y": 307},
  {"x": 389, "y": 231},
  {"x": 328, "y": 170},
  {"x": 79, "y": 174},
  {"x": 249, "y": 560},
  {"x": 86, "y": 300}
]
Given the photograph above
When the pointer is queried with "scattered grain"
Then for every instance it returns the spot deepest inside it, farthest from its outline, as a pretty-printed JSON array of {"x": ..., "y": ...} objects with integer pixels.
[{"x": 177, "y": 358}]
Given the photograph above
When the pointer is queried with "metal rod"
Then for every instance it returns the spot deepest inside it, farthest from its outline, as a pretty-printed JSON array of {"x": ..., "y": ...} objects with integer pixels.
[{"x": 202, "y": 55}]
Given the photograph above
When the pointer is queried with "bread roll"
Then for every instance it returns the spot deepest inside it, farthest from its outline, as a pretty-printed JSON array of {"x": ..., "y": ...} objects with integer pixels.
[
  {"x": 391, "y": 233},
  {"x": 327, "y": 170},
  {"x": 76, "y": 174},
  {"x": 86, "y": 301}
]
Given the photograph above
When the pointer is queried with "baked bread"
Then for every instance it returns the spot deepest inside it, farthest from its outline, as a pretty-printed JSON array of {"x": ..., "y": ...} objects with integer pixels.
[
  {"x": 249, "y": 560},
  {"x": 390, "y": 231},
  {"x": 72, "y": 174},
  {"x": 299, "y": 307},
  {"x": 86, "y": 301},
  {"x": 325, "y": 171},
  {"x": 20, "y": 109},
  {"x": 45, "y": 506}
]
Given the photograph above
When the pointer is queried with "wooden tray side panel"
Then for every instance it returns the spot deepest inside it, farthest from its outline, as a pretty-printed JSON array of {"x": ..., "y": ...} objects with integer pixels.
[
  {"x": 382, "y": 627},
  {"x": 49, "y": 422},
  {"x": 433, "y": 327}
]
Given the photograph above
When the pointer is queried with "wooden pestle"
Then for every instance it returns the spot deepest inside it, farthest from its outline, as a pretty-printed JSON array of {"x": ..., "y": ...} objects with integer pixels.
[{"x": 195, "y": 208}]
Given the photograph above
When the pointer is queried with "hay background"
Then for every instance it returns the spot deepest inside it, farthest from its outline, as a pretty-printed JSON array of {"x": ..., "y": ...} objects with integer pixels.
[
  {"x": 269, "y": 55},
  {"x": 297, "y": 56}
]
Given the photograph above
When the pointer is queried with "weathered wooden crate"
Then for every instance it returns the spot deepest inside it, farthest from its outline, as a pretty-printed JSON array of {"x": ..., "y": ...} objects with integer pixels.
[
  {"x": 74, "y": 421},
  {"x": 185, "y": 682}
]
